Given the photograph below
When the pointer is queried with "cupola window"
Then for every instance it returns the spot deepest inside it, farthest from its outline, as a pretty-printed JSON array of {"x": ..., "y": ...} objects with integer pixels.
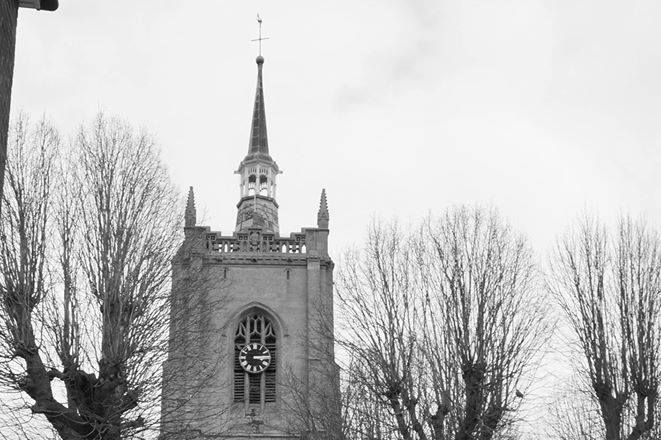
[
  {"x": 263, "y": 185},
  {"x": 252, "y": 182}
]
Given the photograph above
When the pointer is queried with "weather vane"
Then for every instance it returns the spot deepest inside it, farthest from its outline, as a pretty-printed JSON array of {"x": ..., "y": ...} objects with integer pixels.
[{"x": 259, "y": 20}]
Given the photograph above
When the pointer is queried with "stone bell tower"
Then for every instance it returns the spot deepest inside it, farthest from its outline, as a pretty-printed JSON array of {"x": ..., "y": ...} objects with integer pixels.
[{"x": 251, "y": 333}]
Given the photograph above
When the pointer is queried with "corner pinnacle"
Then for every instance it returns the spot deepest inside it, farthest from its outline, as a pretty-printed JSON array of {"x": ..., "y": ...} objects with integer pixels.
[
  {"x": 190, "y": 215},
  {"x": 322, "y": 215}
]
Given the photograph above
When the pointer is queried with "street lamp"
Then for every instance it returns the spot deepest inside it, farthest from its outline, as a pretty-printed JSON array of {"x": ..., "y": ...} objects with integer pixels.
[{"x": 45, "y": 5}]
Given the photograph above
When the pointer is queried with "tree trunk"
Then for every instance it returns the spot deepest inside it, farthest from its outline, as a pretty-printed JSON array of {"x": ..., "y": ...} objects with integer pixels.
[{"x": 473, "y": 378}]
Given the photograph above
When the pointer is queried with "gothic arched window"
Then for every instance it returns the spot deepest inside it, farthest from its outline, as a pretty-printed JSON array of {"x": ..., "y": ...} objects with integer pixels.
[{"x": 255, "y": 388}]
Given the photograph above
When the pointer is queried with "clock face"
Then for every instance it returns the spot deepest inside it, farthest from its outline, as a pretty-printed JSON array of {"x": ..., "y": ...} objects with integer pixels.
[{"x": 254, "y": 358}]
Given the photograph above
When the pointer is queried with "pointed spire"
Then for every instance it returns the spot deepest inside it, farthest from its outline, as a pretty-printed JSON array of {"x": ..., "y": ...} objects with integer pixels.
[
  {"x": 258, "y": 140},
  {"x": 322, "y": 215},
  {"x": 190, "y": 215}
]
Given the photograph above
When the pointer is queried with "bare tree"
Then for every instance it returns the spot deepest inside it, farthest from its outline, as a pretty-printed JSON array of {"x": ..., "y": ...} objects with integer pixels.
[
  {"x": 573, "y": 413},
  {"x": 85, "y": 261},
  {"x": 380, "y": 307},
  {"x": 344, "y": 409},
  {"x": 488, "y": 323},
  {"x": 444, "y": 324},
  {"x": 609, "y": 287},
  {"x": 315, "y": 410},
  {"x": 364, "y": 414},
  {"x": 23, "y": 276}
]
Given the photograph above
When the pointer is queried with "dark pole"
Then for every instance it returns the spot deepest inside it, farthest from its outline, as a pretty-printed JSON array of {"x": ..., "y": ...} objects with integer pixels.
[{"x": 8, "y": 16}]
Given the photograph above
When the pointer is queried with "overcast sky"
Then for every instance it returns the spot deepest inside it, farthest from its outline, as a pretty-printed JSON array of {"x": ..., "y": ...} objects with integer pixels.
[{"x": 541, "y": 108}]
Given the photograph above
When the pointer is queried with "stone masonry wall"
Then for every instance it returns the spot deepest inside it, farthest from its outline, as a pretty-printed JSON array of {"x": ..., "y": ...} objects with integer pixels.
[
  {"x": 257, "y": 212},
  {"x": 295, "y": 290},
  {"x": 8, "y": 17}
]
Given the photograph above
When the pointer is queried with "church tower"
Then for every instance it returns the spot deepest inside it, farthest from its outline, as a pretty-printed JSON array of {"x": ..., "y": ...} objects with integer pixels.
[{"x": 251, "y": 334}]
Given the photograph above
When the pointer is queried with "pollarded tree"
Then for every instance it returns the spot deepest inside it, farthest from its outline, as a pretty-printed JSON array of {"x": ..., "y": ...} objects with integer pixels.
[
  {"x": 88, "y": 234},
  {"x": 380, "y": 311},
  {"x": 27, "y": 199},
  {"x": 444, "y": 323},
  {"x": 486, "y": 324},
  {"x": 609, "y": 287}
]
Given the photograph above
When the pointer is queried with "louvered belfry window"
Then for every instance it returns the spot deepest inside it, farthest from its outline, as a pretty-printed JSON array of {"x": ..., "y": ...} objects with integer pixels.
[{"x": 255, "y": 388}]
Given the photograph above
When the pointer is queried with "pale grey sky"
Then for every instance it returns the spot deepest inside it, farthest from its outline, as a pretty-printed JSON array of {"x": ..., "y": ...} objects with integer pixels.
[{"x": 542, "y": 108}]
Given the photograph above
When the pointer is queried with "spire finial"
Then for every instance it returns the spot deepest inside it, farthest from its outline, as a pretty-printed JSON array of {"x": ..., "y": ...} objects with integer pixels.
[
  {"x": 260, "y": 59},
  {"x": 190, "y": 216},
  {"x": 258, "y": 139},
  {"x": 322, "y": 215}
]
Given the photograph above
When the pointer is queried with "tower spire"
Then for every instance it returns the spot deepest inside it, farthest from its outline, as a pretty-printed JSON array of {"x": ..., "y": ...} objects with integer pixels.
[
  {"x": 258, "y": 139},
  {"x": 257, "y": 208}
]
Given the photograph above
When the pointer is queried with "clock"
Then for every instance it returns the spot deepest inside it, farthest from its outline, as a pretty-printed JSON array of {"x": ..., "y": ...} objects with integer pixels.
[{"x": 254, "y": 358}]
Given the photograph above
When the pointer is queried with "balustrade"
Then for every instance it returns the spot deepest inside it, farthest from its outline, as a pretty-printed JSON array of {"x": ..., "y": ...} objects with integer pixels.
[{"x": 256, "y": 241}]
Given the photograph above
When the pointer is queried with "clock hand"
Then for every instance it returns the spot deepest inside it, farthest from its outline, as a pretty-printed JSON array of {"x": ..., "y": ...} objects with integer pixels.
[{"x": 261, "y": 357}]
